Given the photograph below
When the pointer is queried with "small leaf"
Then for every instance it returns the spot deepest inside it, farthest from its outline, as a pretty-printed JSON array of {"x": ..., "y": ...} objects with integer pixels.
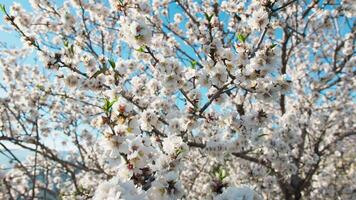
[
  {"x": 105, "y": 106},
  {"x": 71, "y": 49},
  {"x": 241, "y": 38},
  {"x": 3, "y": 9},
  {"x": 112, "y": 103},
  {"x": 217, "y": 175},
  {"x": 272, "y": 46},
  {"x": 179, "y": 151},
  {"x": 261, "y": 135},
  {"x": 193, "y": 64},
  {"x": 97, "y": 73},
  {"x": 112, "y": 63},
  {"x": 141, "y": 49},
  {"x": 209, "y": 17},
  {"x": 222, "y": 173},
  {"x": 65, "y": 43},
  {"x": 139, "y": 37},
  {"x": 40, "y": 87},
  {"x": 108, "y": 104}
]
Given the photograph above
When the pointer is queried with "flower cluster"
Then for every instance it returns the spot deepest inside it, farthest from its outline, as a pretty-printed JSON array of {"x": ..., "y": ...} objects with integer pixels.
[{"x": 136, "y": 99}]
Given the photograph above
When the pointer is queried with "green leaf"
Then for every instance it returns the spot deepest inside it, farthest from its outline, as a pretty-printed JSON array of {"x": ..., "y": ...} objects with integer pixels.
[
  {"x": 65, "y": 43},
  {"x": 108, "y": 104},
  {"x": 193, "y": 64},
  {"x": 141, "y": 49},
  {"x": 223, "y": 174},
  {"x": 216, "y": 174},
  {"x": 196, "y": 108},
  {"x": 97, "y": 73},
  {"x": 179, "y": 151},
  {"x": 139, "y": 37},
  {"x": 261, "y": 135},
  {"x": 40, "y": 87},
  {"x": 2, "y": 8},
  {"x": 241, "y": 38},
  {"x": 220, "y": 173},
  {"x": 112, "y": 63},
  {"x": 209, "y": 17},
  {"x": 272, "y": 46},
  {"x": 71, "y": 49}
]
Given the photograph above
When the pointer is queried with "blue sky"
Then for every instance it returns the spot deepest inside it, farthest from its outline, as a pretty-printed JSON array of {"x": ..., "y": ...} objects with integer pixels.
[{"x": 11, "y": 38}]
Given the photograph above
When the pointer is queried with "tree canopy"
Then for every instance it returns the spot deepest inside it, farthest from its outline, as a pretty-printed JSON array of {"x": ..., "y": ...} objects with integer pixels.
[{"x": 179, "y": 99}]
